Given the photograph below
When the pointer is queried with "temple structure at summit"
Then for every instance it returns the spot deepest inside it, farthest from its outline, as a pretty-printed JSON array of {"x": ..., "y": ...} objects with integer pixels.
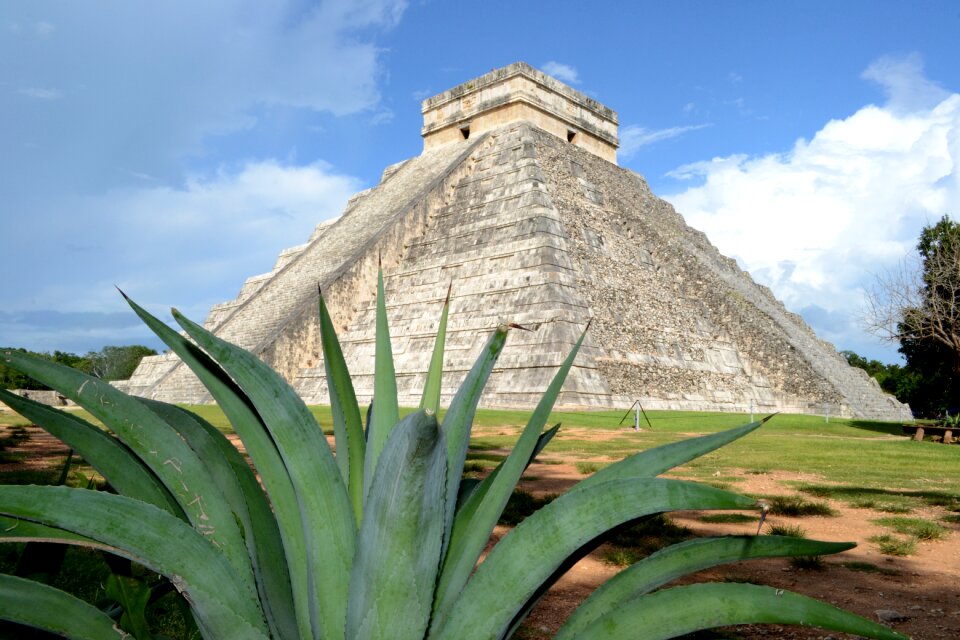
[{"x": 517, "y": 200}]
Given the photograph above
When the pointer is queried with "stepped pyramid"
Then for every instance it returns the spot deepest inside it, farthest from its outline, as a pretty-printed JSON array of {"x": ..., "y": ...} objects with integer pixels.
[{"x": 518, "y": 202}]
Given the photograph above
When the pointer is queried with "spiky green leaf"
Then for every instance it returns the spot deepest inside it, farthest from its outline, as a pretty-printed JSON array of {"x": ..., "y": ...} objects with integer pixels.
[
  {"x": 653, "y": 462},
  {"x": 398, "y": 551},
  {"x": 115, "y": 462},
  {"x": 260, "y": 446},
  {"x": 474, "y": 522},
  {"x": 242, "y": 492},
  {"x": 347, "y": 424},
  {"x": 157, "y": 445},
  {"x": 458, "y": 420},
  {"x": 431, "y": 388},
  {"x": 528, "y": 555},
  {"x": 386, "y": 411},
  {"x": 224, "y": 605},
  {"x": 43, "y": 607},
  {"x": 327, "y": 515},
  {"x": 681, "y": 610},
  {"x": 681, "y": 559}
]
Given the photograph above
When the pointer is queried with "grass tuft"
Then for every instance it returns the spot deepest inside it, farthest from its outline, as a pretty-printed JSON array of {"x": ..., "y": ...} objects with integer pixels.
[
  {"x": 893, "y": 546},
  {"x": 889, "y": 507},
  {"x": 916, "y": 527},
  {"x": 797, "y": 506},
  {"x": 588, "y": 468},
  {"x": 789, "y": 530},
  {"x": 727, "y": 518},
  {"x": 808, "y": 563},
  {"x": 620, "y": 557}
]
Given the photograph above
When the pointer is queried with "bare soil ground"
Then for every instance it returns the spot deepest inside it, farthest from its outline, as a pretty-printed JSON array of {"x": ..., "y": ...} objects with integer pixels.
[{"x": 923, "y": 587}]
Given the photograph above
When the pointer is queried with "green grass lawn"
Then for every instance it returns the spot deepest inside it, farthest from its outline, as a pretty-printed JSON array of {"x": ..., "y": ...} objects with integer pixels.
[{"x": 864, "y": 458}]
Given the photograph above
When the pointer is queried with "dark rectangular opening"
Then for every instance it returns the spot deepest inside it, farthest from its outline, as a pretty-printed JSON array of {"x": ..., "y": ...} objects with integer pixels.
[
  {"x": 465, "y": 132},
  {"x": 571, "y": 135}
]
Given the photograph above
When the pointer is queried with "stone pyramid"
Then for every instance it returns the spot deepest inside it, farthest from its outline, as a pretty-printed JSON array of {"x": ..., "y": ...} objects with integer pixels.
[{"x": 517, "y": 202}]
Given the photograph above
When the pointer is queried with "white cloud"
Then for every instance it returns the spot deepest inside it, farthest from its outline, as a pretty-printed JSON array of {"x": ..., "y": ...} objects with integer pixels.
[
  {"x": 148, "y": 88},
  {"x": 40, "y": 94},
  {"x": 815, "y": 222},
  {"x": 183, "y": 246},
  {"x": 903, "y": 81},
  {"x": 112, "y": 183},
  {"x": 560, "y": 71},
  {"x": 633, "y": 137}
]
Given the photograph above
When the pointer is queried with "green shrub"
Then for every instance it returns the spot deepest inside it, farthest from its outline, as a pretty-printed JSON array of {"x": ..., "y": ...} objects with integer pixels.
[
  {"x": 797, "y": 506},
  {"x": 380, "y": 541},
  {"x": 586, "y": 468}
]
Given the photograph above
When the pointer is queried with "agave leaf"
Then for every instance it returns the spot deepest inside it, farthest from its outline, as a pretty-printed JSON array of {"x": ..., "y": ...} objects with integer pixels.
[
  {"x": 43, "y": 607},
  {"x": 247, "y": 500},
  {"x": 474, "y": 523},
  {"x": 528, "y": 555},
  {"x": 17, "y": 530},
  {"x": 132, "y": 595},
  {"x": 159, "y": 446},
  {"x": 431, "y": 389},
  {"x": 459, "y": 419},
  {"x": 224, "y": 606},
  {"x": 347, "y": 425},
  {"x": 115, "y": 462},
  {"x": 470, "y": 497},
  {"x": 385, "y": 410},
  {"x": 256, "y": 439},
  {"x": 682, "y": 559},
  {"x": 327, "y": 515},
  {"x": 653, "y": 462},
  {"x": 398, "y": 551},
  {"x": 674, "y": 612}
]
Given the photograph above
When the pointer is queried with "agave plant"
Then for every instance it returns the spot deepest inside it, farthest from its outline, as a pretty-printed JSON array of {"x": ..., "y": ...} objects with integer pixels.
[{"x": 381, "y": 539}]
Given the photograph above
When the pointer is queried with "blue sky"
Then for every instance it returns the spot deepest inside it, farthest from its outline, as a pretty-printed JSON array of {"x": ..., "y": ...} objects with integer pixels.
[{"x": 174, "y": 148}]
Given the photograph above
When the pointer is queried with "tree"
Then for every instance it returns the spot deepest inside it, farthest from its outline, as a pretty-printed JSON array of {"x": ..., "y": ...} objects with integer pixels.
[
  {"x": 918, "y": 306},
  {"x": 115, "y": 363},
  {"x": 902, "y": 382},
  {"x": 110, "y": 363}
]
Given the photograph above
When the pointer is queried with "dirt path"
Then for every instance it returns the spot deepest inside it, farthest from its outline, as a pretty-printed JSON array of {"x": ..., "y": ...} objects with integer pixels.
[{"x": 923, "y": 587}]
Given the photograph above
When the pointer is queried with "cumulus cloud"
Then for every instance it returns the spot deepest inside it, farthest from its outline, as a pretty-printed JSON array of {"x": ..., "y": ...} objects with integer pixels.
[
  {"x": 560, "y": 71},
  {"x": 633, "y": 137},
  {"x": 168, "y": 246},
  {"x": 119, "y": 117},
  {"x": 815, "y": 222},
  {"x": 143, "y": 88}
]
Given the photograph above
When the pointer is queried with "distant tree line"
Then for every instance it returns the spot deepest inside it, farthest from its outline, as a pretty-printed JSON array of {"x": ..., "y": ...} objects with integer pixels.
[{"x": 109, "y": 363}]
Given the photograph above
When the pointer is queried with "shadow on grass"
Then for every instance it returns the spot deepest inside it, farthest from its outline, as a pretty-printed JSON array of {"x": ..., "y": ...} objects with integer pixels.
[
  {"x": 868, "y": 497},
  {"x": 888, "y": 428}
]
